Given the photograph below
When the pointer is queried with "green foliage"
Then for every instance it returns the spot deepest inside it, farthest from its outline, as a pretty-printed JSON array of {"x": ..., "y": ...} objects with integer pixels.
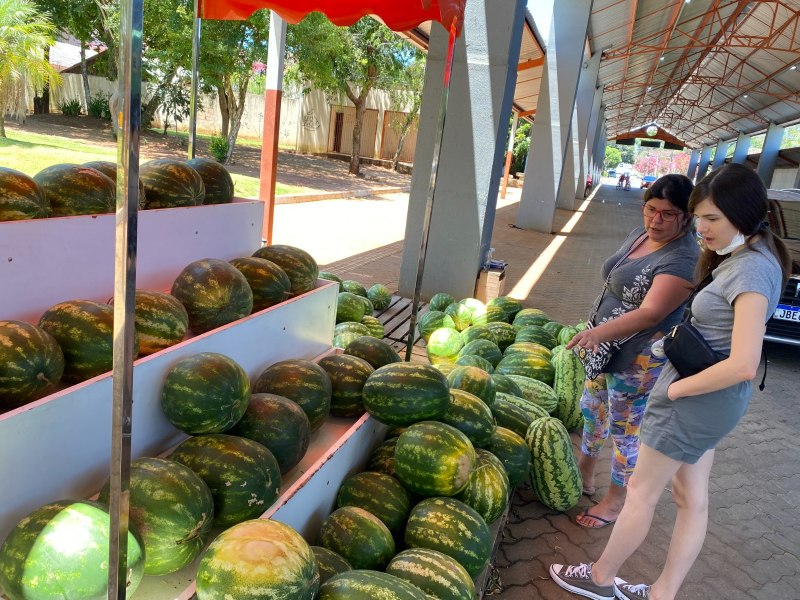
[
  {"x": 70, "y": 108},
  {"x": 98, "y": 106},
  {"x": 522, "y": 143},
  {"x": 218, "y": 146},
  {"x": 613, "y": 157}
]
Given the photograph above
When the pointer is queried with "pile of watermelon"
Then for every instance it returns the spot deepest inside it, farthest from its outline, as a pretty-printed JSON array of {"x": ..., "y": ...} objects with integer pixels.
[{"x": 66, "y": 190}]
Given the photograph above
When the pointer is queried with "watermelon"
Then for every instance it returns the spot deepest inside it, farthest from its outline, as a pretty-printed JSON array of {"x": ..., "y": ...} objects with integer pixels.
[
  {"x": 556, "y": 351},
  {"x": 474, "y": 305},
  {"x": 536, "y": 334},
  {"x": 453, "y": 528},
  {"x": 553, "y": 328},
  {"x": 31, "y": 363},
  {"x": 172, "y": 509},
  {"x": 374, "y": 326},
  {"x": 205, "y": 393},
  {"x": 358, "y": 329},
  {"x": 488, "y": 314},
  {"x": 566, "y": 334},
  {"x": 75, "y": 190},
  {"x": 382, "y": 458},
  {"x": 347, "y": 374},
  {"x": 515, "y": 413},
  {"x": 433, "y": 459},
  {"x": 447, "y": 368},
  {"x": 440, "y": 301},
  {"x": 302, "y": 381},
  {"x": 21, "y": 197},
  {"x": 256, "y": 560},
  {"x": 243, "y": 476},
  {"x": 488, "y": 490},
  {"x": 368, "y": 308},
  {"x": 529, "y": 316},
  {"x": 568, "y": 385},
  {"x": 378, "y": 493},
  {"x": 444, "y": 345},
  {"x": 365, "y": 584},
  {"x": 475, "y": 381},
  {"x": 376, "y": 352},
  {"x": 435, "y": 573},
  {"x": 404, "y": 393},
  {"x": 359, "y": 536},
  {"x": 328, "y": 276},
  {"x": 431, "y": 321},
  {"x": 555, "y": 476},
  {"x": 109, "y": 169},
  {"x": 348, "y": 285},
  {"x": 380, "y": 296},
  {"x": 510, "y": 306},
  {"x": 477, "y": 332},
  {"x": 214, "y": 293},
  {"x": 268, "y": 282},
  {"x": 60, "y": 550},
  {"x": 470, "y": 416},
  {"x": 580, "y": 326},
  {"x": 279, "y": 424},
  {"x": 170, "y": 183},
  {"x": 298, "y": 264},
  {"x": 473, "y": 360},
  {"x": 528, "y": 365},
  {"x": 160, "y": 319},
  {"x": 512, "y": 451},
  {"x": 330, "y": 563},
  {"x": 506, "y": 385},
  {"x": 349, "y": 308},
  {"x": 217, "y": 182},
  {"x": 504, "y": 334},
  {"x": 483, "y": 348},
  {"x": 85, "y": 331},
  {"x": 461, "y": 315},
  {"x": 528, "y": 348},
  {"x": 343, "y": 340},
  {"x": 534, "y": 410},
  {"x": 536, "y": 392}
]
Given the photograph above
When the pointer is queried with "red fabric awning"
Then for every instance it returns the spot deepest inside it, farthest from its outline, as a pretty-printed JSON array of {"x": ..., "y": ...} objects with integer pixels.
[{"x": 399, "y": 15}]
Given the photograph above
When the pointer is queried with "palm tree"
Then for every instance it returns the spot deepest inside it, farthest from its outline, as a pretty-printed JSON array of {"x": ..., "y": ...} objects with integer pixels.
[{"x": 24, "y": 33}]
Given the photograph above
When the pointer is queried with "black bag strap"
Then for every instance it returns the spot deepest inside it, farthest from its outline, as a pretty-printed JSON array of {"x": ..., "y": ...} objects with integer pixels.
[{"x": 637, "y": 242}]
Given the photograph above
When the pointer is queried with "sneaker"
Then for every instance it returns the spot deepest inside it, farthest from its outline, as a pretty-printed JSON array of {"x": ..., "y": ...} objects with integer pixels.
[
  {"x": 578, "y": 580},
  {"x": 629, "y": 591}
]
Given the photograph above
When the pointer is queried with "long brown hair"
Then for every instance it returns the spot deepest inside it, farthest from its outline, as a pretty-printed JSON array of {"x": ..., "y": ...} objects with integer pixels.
[{"x": 741, "y": 196}]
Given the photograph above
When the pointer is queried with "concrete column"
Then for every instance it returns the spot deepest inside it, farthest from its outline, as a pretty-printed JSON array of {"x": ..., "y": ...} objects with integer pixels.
[
  {"x": 741, "y": 148},
  {"x": 769, "y": 153},
  {"x": 599, "y": 146},
  {"x": 586, "y": 105},
  {"x": 591, "y": 134},
  {"x": 565, "y": 198},
  {"x": 472, "y": 148},
  {"x": 705, "y": 160},
  {"x": 720, "y": 154},
  {"x": 693, "y": 160},
  {"x": 551, "y": 130}
]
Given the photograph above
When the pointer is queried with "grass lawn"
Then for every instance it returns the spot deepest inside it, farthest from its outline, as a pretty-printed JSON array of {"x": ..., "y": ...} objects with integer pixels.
[{"x": 31, "y": 152}]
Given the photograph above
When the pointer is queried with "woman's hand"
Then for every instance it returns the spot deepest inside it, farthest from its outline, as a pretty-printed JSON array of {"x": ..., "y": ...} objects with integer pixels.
[
  {"x": 672, "y": 391},
  {"x": 588, "y": 338}
]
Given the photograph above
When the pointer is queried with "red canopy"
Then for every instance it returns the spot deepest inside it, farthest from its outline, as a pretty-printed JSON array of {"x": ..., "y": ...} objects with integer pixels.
[{"x": 399, "y": 15}]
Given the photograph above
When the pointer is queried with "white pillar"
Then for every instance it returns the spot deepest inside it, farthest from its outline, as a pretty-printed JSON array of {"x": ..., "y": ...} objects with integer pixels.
[
  {"x": 720, "y": 154},
  {"x": 591, "y": 134},
  {"x": 769, "y": 153},
  {"x": 695, "y": 158},
  {"x": 586, "y": 104},
  {"x": 705, "y": 160},
  {"x": 741, "y": 148}
]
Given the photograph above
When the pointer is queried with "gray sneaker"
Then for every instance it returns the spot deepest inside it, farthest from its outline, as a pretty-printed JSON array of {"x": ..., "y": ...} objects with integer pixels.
[
  {"x": 629, "y": 591},
  {"x": 578, "y": 580}
]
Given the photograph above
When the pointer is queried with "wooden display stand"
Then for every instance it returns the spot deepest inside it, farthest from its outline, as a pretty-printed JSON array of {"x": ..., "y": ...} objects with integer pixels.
[{"x": 490, "y": 284}]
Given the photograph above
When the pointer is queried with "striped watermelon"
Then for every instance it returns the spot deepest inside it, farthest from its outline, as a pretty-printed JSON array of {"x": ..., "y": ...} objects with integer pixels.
[
  {"x": 348, "y": 285},
  {"x": 433, "y": 459},
  {"x": 21, "y": 197},
  {"x": 556, "y": 351},
  {"x": 404, "y": 393},
  {"x": 510, "y": 306},
  {"x": 359, "y": 536},
  {"x": 553, "y": 328},
  {"x": 161, "y": 321},
  {"x": 353, "y": 327},
  {"x": 440, "y": 301},
  {"x": 568, "y": 387},
  {"x": 534, "y": 410},
  {"x": 31, "y": 363},
  {"x": 302, "y": 381},
  {"x": 488, "y": 490},
  {"x": 453, "y": 528},
  {"x": 172, "y": 509},
  {"x": 374, "y": 326},
  {"x": 327, "y": 275},
  {"x": 473, "y": 360},
  {"x": 243, "y": 476},
  {"x": 461, "y": 315},
  {"x": 214, "y": 293},
  {"x": 512, "y": 451},
  {"x": 217, "y": 182},
  {"x": 477, "y": 332},
  {"x": 504, "y": 334},
  {"x": 343, "y": 340},
  {"x": 536, "y": 334},
  {"x": 60, "y": 550},
  {"x": 330, "y": 563},
  {"x": 279, "y": 424},
  {"x": 380, "y": 296},
  {"x": 470, "y": 416},
  {"x": 515, "y": 413},
  {"x": 566, "y": 334},
  {"x": 444, "y": 346},
  {"x": 529, "y": 316},
  {"x": 554, "y": 472},
  {"x": 364, "y": 584},
  {"x": 376, "y": 352},
  {"x": 75, "y": 190},
  {"x": 257, "y": 560},
  {"x": 85, "y": 331},
  {"x": 488, "y": 314},
  {"x": 528, "y": 348},
  {"x": 205, "y": 393},
  {"x": 431, "y": 321},
  {"x": 536, "y": 392},
  {"x": 475, "y": 381},
  {"x": 528, "y": 365},
  {"x": 169, "y": 183},
  {"x": 447, "y": 368},
  {"x": 298, "y": 264},
  {"x": 109, "y": 169},
  {"x": 349, "y": 308},
  {"x": 269, "y": 284},
  {"x": 380, "y": 494},
  {"x": 368, "y": 307},
  {"x": 435, "y": 573},
  {"x": 504, "y": 384},
  {"x": 483, "y": 348},
  {"x": 348, "y": 374},
  {"x": 382, "y": 458}
]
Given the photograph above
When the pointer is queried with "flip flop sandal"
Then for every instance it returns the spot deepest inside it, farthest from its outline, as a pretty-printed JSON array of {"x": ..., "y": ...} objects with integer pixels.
[{"x": 603, "y": 522}]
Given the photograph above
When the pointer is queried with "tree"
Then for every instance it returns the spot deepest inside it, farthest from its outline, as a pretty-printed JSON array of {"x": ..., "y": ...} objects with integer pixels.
[
  {"x": 522, "y": 144},
  {"x": 613, "y": 157},
  {"x": 349, "y": 61},
  {"x": 24, "y": 33},
  {"x": 410, "y": 97}
]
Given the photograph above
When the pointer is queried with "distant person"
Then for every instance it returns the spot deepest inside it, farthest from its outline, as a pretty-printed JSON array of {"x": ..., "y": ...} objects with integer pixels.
[
  {"x": 743, "y": 267},
  {"x": 627, "y": 182},
  {"x": 621, "y": 181}
]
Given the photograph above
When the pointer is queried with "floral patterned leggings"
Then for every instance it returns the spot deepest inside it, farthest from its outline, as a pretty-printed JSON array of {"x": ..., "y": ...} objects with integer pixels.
[{"x": 614, "y": 403}]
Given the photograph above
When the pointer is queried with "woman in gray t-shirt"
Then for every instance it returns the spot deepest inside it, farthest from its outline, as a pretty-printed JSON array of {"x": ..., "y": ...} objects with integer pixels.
[{"x": 687, "y": 417}]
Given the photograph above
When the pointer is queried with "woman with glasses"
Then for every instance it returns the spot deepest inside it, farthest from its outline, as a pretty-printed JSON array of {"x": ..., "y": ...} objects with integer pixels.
[{"x": 648, "y": 280}]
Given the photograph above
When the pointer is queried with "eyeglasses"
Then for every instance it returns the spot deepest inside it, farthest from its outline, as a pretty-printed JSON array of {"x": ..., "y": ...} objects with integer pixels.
[{"x": 666, "y": 215}]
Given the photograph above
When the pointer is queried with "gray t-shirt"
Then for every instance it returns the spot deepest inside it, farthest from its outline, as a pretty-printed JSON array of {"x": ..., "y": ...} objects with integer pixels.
[
  {"x": 749, "y": 270},
  {"x": 631, "y": 281}
]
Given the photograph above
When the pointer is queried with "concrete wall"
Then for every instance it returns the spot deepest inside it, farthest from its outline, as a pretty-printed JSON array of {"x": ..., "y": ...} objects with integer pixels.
[{"x": 784, "y": 179}]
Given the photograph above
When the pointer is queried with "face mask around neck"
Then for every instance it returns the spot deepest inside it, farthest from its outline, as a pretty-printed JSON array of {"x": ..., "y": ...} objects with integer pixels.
[{"x": 737, "y": 241}]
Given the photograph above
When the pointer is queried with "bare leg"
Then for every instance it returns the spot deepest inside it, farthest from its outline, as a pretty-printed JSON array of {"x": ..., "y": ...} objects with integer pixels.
[
  {"x": 607, "y": 509},
  {"x": 587, "y": 465}
]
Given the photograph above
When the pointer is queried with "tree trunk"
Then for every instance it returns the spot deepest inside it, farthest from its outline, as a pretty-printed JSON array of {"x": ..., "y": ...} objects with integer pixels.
[
  {"x": 403, "y": 133},
  {"x": 236, "y": 116},
  {"x": 2, "y": 124},
  {"x": 85, "y": 76},
  {"x": 224, "y": 106},
  {"x": 360, "y": 103},
  {"x": 46, "y": 87}
]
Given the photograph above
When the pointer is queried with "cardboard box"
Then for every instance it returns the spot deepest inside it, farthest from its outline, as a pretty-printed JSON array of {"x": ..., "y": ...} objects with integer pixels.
[{"x": 490, "y": 284}]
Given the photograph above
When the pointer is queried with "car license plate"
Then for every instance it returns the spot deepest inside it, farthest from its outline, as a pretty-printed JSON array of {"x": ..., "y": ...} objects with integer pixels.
[{"x": 787, "y": 313}]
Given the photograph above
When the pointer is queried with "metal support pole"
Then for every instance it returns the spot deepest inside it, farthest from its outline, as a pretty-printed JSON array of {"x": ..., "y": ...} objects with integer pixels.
[
  {"x": 426, "y": 223},
  {"x": 195, "y": 78},
  {"x": 130, "y": 124}
]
